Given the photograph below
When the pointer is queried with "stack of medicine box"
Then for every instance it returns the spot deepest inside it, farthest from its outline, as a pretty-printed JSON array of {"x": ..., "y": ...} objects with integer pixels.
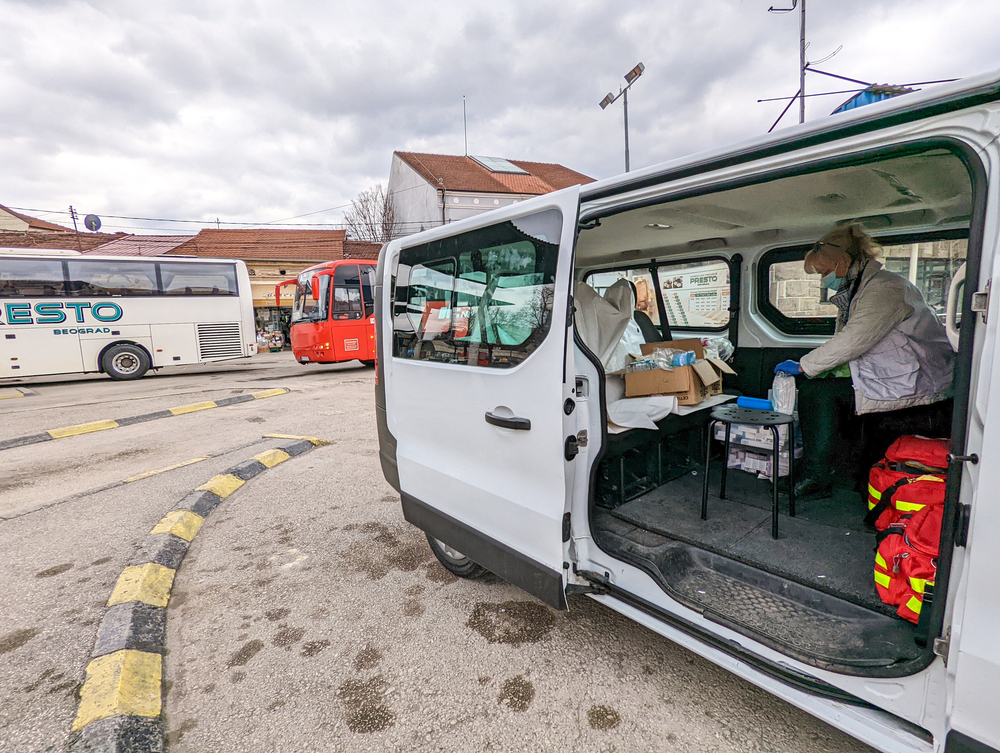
[{"x": 744, "y": 438}]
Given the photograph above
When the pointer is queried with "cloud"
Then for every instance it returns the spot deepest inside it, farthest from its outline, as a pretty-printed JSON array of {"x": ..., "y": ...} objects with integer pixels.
[{"x": 253, "y": 111}]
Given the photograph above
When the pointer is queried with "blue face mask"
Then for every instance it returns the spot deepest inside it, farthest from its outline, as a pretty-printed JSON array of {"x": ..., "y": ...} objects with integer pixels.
[{"x": 831, "y": 281}]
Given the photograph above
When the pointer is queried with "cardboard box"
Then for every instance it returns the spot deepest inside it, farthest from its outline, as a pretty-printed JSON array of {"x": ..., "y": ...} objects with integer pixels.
[
  {"x": 689, "y": 384},
  {"x": 759, "y": 436}
]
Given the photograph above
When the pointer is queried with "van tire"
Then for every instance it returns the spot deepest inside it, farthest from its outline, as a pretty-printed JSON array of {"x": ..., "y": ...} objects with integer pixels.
[
  {"x": 123, "y": 362},
  {"x": 454, "y": 561}
]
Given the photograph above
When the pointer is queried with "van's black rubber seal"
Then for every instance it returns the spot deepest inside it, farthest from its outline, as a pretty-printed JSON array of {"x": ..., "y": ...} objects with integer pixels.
[{"x": 540, "y": 581}]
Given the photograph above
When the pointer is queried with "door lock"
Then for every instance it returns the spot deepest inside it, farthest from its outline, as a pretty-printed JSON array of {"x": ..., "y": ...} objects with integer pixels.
[{"x": 572, "y": 447}]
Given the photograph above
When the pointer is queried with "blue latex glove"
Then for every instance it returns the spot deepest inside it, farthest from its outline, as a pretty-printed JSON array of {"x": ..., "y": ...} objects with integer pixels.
[{"x": 788, "y": 367}]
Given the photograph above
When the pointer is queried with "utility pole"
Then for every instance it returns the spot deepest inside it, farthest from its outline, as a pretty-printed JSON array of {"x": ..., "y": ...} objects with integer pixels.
[
  {"x": 465, "y": 126},
  {"x": 76, "y": 232},
  {"x": 802, "y": 61},
  {"x": 625, "y": 105}
]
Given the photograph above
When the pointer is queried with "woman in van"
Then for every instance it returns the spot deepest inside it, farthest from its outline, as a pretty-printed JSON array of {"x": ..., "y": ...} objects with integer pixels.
[{"x": 889, "y": 362}]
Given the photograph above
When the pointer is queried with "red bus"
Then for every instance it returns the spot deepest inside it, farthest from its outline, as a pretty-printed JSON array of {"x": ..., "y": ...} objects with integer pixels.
[{"x": 328, "y": 327}]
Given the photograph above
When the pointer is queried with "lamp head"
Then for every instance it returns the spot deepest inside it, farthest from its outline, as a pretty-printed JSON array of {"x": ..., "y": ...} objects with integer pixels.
[
  {"x": 607, "y": 100},
  {"x": 633, "y": 74}
]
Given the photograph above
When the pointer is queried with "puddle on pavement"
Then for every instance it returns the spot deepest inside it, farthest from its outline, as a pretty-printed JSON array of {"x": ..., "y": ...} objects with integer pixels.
[
  {"x": 512, "y": 622},
  {"x": 517, "y": 693}
]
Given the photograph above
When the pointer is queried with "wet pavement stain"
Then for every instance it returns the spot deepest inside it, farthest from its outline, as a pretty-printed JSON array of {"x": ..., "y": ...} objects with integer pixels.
[
  {"x": 49, "y": 674},
  {"x": 484, "y": 680},
  {"x": 603, "y": 717},
  {"x": 238, "y": 677},
  {"x": 367, "y": 658},
  {"x": 435, "y": 572},
  {"x": 512, "y": 622},
  {"x": 517, "y": 693},
  {"x": 413, "y": 608},
  {"x": 17, "y": 639},
  {"x": 415, "y": 590},
  {"x": 245, "y": 653},
  {"x": 406, "y": 551},
  {"x": 176, "y": 735},
  {"x": 366, "y": 711},
  {"x": 101, "y": 561},
  {"x": 277, "y": 614},
  {"x": 288, "y": 637},
  {"x": 57, "y": 570},
  {"x": 314, "y": 647}
]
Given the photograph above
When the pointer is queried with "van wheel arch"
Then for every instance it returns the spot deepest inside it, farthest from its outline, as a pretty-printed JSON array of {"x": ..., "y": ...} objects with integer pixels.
[{"x": 454, "y": 561}]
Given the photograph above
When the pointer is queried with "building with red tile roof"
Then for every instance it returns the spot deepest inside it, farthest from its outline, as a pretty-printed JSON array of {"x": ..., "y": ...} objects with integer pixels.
[
  {"x": 429, "y": 190},
  {"x": 140, "y": 245},
  {"x": 15, "y": 221}
]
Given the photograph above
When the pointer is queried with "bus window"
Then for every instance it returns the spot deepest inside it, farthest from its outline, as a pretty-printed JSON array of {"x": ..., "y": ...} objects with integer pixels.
[
  {"x": 198, "y": 279},
  {"x": 368, "y": 288},
  {"x": 346, "y": 292},
  {"x": 21, "y": 278},
  {"x": 99, "y": 277}
]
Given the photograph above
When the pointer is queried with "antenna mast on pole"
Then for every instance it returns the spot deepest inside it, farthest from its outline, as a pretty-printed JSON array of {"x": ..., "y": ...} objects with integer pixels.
[
  {"x": 465, "y": 125},
  {"x": 802, "y": 61}
]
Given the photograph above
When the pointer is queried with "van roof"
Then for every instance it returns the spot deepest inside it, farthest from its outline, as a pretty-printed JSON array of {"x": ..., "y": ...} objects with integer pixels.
[{"x": 934, "y": 100}]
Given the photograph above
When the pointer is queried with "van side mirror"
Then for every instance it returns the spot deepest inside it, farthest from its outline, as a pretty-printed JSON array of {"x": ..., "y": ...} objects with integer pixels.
[{"x": 315, "y": 287}]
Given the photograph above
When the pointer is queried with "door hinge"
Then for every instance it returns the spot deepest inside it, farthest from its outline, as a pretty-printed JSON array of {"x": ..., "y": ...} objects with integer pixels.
[
  {"x": 981, "y": 301},
  {"x": 581, "y": 438},
  {"x": 566, "y": 527},
  {"x": 596, "y": 585},
  {"x": 940, "y": 646},
  {"x": 572, "y": 447},
  {"x": 962, "y": 525}
]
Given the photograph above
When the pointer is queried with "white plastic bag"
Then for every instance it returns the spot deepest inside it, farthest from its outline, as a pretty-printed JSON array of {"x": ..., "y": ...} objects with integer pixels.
[{"x": 783, "y": 393}]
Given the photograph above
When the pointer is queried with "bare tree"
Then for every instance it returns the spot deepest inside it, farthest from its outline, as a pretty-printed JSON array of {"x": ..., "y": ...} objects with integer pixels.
[{"x": 372, "y": 216}]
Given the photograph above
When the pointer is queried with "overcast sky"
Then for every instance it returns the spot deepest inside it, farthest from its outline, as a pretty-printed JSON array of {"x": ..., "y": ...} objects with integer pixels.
[{"x": 257, "y": 111}]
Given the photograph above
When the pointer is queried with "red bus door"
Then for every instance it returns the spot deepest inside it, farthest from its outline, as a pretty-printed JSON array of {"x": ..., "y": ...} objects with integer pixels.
[{"x": 349, "y": 326}]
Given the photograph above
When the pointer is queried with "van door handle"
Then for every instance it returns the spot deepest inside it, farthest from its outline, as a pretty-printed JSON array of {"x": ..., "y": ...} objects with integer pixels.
[{"x": 512, "y": 422}]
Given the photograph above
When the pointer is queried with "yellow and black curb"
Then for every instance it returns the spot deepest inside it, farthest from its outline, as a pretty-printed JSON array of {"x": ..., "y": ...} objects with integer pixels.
[
  {"x": 88, "y": 428},
  {"x": 121, "y": 702}
]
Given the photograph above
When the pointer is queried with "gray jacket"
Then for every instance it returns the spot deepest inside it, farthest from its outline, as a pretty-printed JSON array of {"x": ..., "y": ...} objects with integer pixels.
[{"x": 897, "y": 349}]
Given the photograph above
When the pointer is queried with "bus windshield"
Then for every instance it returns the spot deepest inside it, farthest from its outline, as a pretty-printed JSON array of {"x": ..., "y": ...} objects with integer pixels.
[{"x": 305, "y": 308}]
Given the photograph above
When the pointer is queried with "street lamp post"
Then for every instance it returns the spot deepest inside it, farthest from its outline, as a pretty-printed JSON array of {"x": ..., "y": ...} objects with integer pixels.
[{"x": 630, "y": 78}]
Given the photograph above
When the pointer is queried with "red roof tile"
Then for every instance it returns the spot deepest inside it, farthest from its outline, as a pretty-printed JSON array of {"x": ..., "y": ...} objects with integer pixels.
[
  {"x": 37, "y": 239},
  {"x": 455, "y": 173},
  {"x": 361, "y": 249},
  {"x": 140, "y": 245},
  {"x": 265, "y": 245}
]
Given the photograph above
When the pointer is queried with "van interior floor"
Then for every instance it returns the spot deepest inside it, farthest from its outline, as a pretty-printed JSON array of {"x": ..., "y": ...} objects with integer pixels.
[{"x": 810, "y": 592}]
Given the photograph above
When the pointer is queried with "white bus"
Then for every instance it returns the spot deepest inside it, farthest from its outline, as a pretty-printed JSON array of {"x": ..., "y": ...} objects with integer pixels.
[{"x": 62, "y": 312}]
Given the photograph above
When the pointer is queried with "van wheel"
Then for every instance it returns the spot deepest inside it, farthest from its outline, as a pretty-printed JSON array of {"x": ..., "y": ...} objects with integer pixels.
[
  {"x": 454, "y": 561},
  {"x": 123, "y": 362}
]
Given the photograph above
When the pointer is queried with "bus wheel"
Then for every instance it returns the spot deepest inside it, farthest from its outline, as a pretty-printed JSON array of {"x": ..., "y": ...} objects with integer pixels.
[
  {"x": 125, "y": 362},
  {"x": 368, "y": 363},
  {"x": 454, "y": 561}
]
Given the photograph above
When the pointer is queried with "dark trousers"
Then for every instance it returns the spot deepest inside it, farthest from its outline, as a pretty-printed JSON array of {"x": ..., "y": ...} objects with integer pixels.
[{"x": 840, "y": 447}]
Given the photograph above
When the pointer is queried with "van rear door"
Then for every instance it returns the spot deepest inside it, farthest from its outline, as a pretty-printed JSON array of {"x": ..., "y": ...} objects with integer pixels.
[{"x": 475, "y": 340}]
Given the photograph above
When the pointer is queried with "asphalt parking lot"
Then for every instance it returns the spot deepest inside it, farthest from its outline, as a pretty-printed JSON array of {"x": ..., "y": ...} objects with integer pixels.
[{"x": 306, "y": 614}]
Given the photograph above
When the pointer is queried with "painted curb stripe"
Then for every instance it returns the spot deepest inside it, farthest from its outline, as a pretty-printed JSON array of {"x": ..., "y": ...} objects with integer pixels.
[
  {"x": 316, "y": 442},
  {"x": 147, "y": 474},
  {"x": 121, "y": 701},
  {"x": 269, "y": 393},
  {"x": 270, "y": 458},
  {"x": 72, "y": 431},
  {"x": 149, "y": 583},
  {"x": 222, "y": 485},
  {"x": 194, "y": 407},
  {"x": 123, "y": 683},
  {"x": 11, "y": 397},
  {"x": 183, "y": 524}
]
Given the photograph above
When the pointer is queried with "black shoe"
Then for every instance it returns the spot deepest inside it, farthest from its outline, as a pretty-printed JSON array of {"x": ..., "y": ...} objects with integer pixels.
[{"x": 812, "y": 488}]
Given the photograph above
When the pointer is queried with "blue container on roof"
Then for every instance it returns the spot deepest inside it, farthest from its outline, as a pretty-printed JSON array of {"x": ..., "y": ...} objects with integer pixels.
[{"x": 874, "y": 93}]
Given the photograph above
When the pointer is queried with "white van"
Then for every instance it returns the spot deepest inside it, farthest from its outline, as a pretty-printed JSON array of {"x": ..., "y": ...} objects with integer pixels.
[{"x": 493, "y": 422}]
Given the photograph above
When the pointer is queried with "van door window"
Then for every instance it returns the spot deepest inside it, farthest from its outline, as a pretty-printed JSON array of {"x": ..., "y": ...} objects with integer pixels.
[
  {"x": 696, "y": 294},
  {"x": 483, "y": 298}
]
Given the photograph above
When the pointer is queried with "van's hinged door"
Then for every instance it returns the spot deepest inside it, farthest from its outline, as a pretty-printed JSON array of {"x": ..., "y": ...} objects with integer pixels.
[{"x": 475, "y": 389}]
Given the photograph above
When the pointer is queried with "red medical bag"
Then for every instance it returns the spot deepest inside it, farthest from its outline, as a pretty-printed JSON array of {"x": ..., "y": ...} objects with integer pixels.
[
  {"x": 906, "y": 560},
  {"x": 909, "y": 477}
]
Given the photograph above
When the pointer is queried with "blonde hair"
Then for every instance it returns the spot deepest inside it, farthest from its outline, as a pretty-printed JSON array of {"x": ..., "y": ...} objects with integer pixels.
[{"x": 849, "y": 239}]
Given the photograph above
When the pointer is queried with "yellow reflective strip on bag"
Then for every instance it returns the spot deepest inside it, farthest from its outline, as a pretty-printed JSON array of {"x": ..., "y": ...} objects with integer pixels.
[
  {"x": 914, "y": 605},
  {"x": 880, "y": 562},
  {"x": 874, "y": 493},
  {"x": 907, "y": 506},
  {"x": 929, "y": 478},
  {"x": 917, "y": 584},
  {"x": 882, "y": 579}
]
